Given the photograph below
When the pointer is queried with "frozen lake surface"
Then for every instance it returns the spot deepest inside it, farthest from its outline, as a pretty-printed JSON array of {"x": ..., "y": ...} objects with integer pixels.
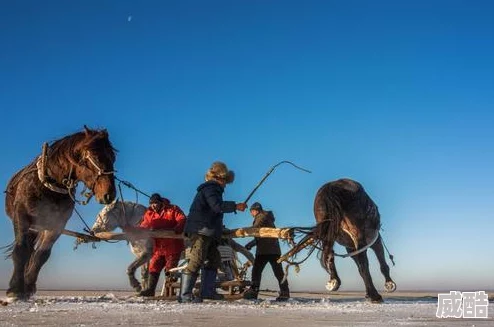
[{"x": 114, "y": 308}]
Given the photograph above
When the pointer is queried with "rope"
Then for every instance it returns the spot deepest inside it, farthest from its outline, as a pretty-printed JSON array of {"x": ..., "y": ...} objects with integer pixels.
[
  {"x": 87, "y": 229},
  {"x": 390, "y": 255},
  {"x": 129, "y": 185},
  {"x": 285, "y": 276},
  {"x": 122, "y": 198},
  {"x": 309, "y": 230},
  {"x": 313, "y": 247}
]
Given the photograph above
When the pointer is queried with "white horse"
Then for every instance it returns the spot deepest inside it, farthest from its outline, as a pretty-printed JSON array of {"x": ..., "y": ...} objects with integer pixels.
[{"x": 121, "y": 214}]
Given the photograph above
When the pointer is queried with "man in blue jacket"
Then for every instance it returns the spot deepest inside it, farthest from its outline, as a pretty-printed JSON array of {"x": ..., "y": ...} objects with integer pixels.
[{"x": 203, "y": 229}]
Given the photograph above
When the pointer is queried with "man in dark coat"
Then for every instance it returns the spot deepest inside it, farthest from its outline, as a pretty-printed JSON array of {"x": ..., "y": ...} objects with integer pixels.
[
  {"x": 267, "y": 250},
  {"x": 203, "y": 229}
]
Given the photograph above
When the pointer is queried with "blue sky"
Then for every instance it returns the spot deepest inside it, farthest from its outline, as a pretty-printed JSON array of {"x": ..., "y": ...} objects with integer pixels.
[{"x": 397, "y": 95}]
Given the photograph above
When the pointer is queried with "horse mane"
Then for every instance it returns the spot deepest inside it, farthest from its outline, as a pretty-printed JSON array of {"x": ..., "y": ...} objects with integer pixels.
[
  {"x": 331, "y": 201},
  {"x": 64, "y": 151},
  {"x": 59, "y": 150}
]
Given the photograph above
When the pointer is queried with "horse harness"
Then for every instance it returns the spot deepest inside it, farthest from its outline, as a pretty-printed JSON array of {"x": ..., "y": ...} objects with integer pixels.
[{"x": 68, "y": 183}]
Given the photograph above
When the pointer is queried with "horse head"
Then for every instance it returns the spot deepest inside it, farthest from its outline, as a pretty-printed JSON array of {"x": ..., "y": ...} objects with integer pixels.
[
  {"x": 118, "y": 214},
  {"x": 107, "y": 219},
  {"x": 95, "y": 157}
]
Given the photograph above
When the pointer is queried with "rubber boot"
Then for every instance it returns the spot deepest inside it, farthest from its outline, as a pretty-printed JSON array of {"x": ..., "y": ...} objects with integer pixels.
[
  {"x": 152, "y": 282},
  {"x": 284, "y": 292},
  {"x": 187, "y": 283},
  {"x": 208, "y": 285},
  {"x": 251, "y": 293}
]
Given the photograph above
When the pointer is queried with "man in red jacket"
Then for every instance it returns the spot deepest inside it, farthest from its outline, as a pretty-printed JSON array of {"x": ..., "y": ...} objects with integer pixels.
[{"x": 163, "y": 215}]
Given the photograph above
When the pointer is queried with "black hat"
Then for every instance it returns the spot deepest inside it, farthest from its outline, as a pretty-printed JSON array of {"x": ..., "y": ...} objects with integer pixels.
[
  {"x": 155, "y": 198},
  {"x": 256, "y": 206}
]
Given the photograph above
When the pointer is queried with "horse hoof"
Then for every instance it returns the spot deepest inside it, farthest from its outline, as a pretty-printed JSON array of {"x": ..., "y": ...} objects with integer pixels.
[
  {"x": 13, "y": 297},
  {"x": 138, "y": 289},
  {"x": 390, "y": 286},
  {"x": 30, "y": 290},
  {"x": 333, "y": 285},
  {"x": 374, "y": 299}
]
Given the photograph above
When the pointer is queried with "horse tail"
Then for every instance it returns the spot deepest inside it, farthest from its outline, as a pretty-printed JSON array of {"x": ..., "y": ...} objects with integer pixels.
[
  {"x": 33, "y": 238},
  {"x": 7, "y": 250},
  {"x": 371, "y": 211},
  {"x": 329, "y": 214}
]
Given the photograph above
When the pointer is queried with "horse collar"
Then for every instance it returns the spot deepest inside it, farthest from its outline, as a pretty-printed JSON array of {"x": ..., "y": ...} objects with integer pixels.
[{"x": 43, "y": 179}]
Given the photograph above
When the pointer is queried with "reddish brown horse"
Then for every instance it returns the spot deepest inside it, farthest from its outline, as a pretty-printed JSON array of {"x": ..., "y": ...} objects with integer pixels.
[
  {"x": 40, "y": 199},
  {"x": 346, "y": 214}
]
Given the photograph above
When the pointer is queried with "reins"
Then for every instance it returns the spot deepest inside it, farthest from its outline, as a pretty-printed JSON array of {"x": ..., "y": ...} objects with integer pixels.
[
  {"x": 129, "y": 185},
  {"x": 310, "y": 241},
  {"x": 80, "y": 240}
]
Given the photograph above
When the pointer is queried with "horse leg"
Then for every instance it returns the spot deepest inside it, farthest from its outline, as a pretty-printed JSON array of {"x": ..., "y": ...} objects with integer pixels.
[
  {"x": 363, "y": 268},
  {"x": 139, "y": 262},
  {"x": 378, "y": 249},
  {"x": 38, "y": 259},
  {"x": 145, "y": 275},
  {"x": 21, "y": 252},
  {"x": 334, "y": 281}
]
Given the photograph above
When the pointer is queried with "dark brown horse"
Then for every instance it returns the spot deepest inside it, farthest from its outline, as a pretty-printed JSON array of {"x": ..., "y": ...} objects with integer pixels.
[
  {"x": 40, "y": 199},
  {"x": 346, "y": 214}
]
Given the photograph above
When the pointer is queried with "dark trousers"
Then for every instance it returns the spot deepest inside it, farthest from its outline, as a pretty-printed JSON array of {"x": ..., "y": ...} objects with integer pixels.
[
  {"x": 259, "y": 264},
  {"x": 203, "y": 252}
]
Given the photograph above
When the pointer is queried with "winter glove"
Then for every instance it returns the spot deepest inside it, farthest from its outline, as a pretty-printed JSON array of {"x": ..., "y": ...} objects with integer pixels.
[
  {"x": 241, "y": 206},
  {"x": 250, "y": 245}
]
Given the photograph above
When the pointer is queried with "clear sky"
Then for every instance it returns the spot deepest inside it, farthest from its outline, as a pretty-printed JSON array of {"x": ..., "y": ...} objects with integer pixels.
[{"x": 398, "y": 95}]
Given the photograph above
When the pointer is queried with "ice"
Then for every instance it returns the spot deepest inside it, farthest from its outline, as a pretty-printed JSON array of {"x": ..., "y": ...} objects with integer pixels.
[{"x": 110, "y": 309}]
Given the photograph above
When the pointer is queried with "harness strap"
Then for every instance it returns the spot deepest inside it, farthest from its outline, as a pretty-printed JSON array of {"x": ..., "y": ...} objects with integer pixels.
[
  {"x": 351, "y": 254},
  {"x": 88, "y": 156},
  {"x": 42, "y": 178}
]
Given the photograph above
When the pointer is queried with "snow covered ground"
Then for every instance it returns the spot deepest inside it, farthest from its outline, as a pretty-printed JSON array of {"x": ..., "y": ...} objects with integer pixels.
[{"x": 92, "y": 308}]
